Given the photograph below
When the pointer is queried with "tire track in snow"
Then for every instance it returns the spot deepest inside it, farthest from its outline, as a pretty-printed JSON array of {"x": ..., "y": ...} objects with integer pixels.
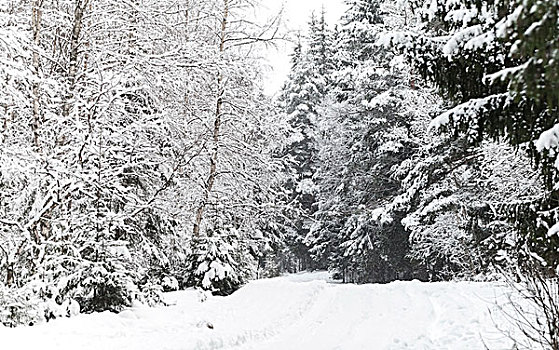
[{"x": 260, "y": 318}]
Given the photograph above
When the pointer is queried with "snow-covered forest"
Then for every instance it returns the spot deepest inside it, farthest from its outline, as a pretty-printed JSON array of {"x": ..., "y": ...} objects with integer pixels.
[{"x": 411, "y": 140}]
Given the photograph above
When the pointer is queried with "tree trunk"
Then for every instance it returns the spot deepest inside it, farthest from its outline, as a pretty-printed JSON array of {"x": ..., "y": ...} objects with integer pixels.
[
  {"x": 216, "y": 130},
  {"x": 81, "y": 6},
  {"x": 10, "y": 275},
  {"x": 36, "y": 17},
  {"x": 187, "y": 19}
]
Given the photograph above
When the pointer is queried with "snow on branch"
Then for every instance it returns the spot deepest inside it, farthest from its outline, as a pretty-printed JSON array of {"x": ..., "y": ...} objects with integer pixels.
[
  {"x": 508, "y": 22},
  {"x": 462, "y": 15},
  {"x": 452, "y": 45},
  {"x": 504, "y": 74},
  {"x": 553, "y": 230},
  {"x": 548, "y": 139},
  {"x": 470, "y": 109}
]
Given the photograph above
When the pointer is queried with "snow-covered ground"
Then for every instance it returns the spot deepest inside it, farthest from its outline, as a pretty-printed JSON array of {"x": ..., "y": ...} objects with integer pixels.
[{"x": 294, "y": 312}]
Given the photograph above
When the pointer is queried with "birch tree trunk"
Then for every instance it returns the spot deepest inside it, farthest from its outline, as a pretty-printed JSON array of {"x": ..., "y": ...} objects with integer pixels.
[
  {"x": 81, "y": 6},
  {"x": 217, "y": 127},
  {"x": 36, "y": 18}
]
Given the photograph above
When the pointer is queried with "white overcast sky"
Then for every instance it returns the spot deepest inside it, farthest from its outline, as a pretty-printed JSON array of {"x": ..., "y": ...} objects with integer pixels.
[{"x": 296, "y": 16}]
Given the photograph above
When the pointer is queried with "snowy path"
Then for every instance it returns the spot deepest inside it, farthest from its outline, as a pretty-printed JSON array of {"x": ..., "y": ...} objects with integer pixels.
[{"x": 293, "y": 312}]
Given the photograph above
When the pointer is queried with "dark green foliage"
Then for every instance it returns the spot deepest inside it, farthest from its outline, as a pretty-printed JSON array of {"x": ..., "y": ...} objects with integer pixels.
[
  {"x": 301, "y": 99},
  {"x": 100, "y": 287},
  {"x": 358, "y": 39},
  {"x": 499, "y": 77},
  {"x": 507, "y": 86},
  {"x": 533, "y": 219},
  {"x": 534, "y": 37},
  {"x": 363, "y": 139}
]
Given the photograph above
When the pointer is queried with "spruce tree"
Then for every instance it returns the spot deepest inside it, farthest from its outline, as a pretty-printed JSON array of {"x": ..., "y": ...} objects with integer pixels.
[
  {"x": 355, "y": 234},
  {"x": 497, "y": 69},
  {"x": 302, "y": 97}
]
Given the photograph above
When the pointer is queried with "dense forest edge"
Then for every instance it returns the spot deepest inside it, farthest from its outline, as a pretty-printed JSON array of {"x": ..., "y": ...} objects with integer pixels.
[{"x": 412, "y": 140}]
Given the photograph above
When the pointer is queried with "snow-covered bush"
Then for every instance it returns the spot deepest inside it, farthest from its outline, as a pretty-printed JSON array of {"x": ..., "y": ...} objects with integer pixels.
[
  {"x": 20, "y": 306},
  {"x": 151, "y": 293},
  {"x": 220, "y": 263},
  {"x": 101, "y": 286},
  {"x": 169, "y": 283}
]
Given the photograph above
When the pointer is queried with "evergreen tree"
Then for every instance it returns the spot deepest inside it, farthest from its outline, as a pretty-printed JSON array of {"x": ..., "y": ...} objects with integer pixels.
[
  {"x": 321, "y": 49},
  {"x": 497, "y": 69},
  {"x": 354, "y": 233},
  {"x": 301, "y": 99}
]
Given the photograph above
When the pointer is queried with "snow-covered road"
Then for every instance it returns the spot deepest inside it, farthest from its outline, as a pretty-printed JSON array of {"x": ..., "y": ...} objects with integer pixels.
[{"x": 289, "y": 313}]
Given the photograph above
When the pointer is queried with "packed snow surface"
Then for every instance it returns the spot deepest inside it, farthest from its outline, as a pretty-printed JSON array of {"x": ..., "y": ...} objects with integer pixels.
[{"x": 303, "y": 311}]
